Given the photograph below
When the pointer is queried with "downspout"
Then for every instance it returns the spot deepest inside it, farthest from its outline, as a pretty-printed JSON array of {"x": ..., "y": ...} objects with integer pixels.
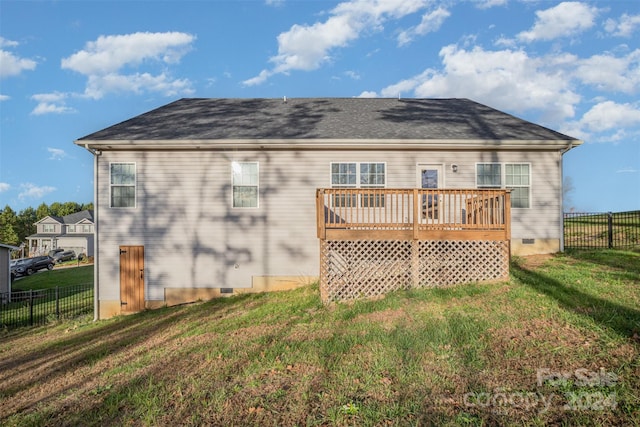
[
  {"x": 562, "y": 152},
  {"x": 96, "y": 288}
]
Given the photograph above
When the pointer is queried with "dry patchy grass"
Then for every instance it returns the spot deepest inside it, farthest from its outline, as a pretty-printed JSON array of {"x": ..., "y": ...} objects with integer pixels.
[{"x": 466, "y": 355}]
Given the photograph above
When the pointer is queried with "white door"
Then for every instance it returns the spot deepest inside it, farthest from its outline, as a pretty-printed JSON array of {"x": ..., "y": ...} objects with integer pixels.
[{"x": 430, "y": 176}]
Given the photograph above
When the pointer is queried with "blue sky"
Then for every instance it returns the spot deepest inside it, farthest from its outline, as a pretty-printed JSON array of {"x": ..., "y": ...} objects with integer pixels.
[{"x": 69, "y": 68}]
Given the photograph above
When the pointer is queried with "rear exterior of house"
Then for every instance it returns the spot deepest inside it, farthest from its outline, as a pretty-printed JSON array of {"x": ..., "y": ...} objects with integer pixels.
[{"x": 204, "y": 197}]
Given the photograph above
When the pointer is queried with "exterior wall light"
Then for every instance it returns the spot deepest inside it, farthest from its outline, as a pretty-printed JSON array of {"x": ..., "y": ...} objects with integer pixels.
[{"x": 454, "y": 168}]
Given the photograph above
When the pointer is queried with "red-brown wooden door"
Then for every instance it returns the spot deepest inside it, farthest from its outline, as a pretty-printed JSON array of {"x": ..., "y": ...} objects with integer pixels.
[{"x": 131, "y": 278}]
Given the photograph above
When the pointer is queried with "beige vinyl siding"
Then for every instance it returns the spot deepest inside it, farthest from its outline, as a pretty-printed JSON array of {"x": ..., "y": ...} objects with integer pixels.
[{"x": 194, "y": 238}]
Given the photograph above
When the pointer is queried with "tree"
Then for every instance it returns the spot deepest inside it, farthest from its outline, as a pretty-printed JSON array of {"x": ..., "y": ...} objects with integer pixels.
[
  {"x": 42, "y": 211},
  {"x": 8, "y": 221},
  {"x": 25, "y": 224}
]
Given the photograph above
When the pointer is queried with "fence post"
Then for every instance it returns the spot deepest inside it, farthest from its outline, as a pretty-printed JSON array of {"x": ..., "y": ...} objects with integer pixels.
[
  {"x": 30, "y": 307},
  {"x": 610, "y": 230},
  {"x": 57, "y": 304}
]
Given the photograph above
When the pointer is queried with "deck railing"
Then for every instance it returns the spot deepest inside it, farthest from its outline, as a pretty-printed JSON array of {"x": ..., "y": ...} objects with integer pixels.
[{"x": 414, "y": 213}]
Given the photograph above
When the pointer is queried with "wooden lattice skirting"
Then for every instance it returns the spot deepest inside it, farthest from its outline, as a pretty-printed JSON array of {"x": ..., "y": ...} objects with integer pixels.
[{"x": 351, "y": 269}]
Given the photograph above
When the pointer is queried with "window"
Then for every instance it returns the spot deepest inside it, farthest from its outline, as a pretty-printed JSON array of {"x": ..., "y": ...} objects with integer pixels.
[
  {"x": 514, "y": 176},
  {"x": 245, "y": 184},
  {"x": 123, "y": 185},
  {"x": 517, "y": 179},
  {"x": 71, "y": 228},
  {"x": 489, "y": 175},
  {"x": 358, "y": 175},
  {"x": 48, "y": 228},
  {"x": 344, "y": 175}
]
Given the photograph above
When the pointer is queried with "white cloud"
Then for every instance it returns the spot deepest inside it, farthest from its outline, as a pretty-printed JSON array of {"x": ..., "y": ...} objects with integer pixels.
[
  {"x": 368, "y": 94},
  {"x": 11, "y": 65},
  {"x": 111, "y": 53},
  {"x": 307, "y": 47},
  {"x": 610, "y": 73},
  {"x": 7, "y": 43},
  {"x": 505, "y": 79},
  {"x": 431, "y": 22},
  {"x": 50, "y": 103},
  {"x": 4, "y": 187},
  {"x": 609, "y": 115},
  {"x": 565, "y": 19},
  {"x": 628, "y": 169},
  {"x": 623, "y": 27},
  {"x": 32, "y": 191},
  {"x": 486, "y": 4},
  {"x": 56, "y": 153},
  {"x": 4, "y": 97},
  {"x": 99, "y": 85},
  {"x": 259, "y": 79},
  {"x": 104, "y": 60},
  {"x": 47, "y": 108},
  {"x": 352, "y": 74},
  {"x": 49, "y": 97}
]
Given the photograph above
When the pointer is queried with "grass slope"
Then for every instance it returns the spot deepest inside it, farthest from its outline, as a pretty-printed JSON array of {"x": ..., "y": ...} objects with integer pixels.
[
  {"x": 558, "y": 344},
  {"x": 68, "y": 276}
]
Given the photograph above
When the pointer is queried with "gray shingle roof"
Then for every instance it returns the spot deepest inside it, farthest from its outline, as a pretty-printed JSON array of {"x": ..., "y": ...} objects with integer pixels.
[
  {"x": 74, "y": 218},
  {"x": 325, "y": 118}
]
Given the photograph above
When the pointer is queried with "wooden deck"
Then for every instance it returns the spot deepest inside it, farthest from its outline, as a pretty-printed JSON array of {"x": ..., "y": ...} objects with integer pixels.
[
  {"x": 377, "y": 240},
  {"x": 413, "y": 214}
]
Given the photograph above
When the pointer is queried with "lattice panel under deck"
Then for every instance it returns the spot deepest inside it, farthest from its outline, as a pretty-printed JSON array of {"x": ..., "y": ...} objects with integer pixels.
[
  {"x": 368, "y": 268},
  {"x": 451, "y": 262}
]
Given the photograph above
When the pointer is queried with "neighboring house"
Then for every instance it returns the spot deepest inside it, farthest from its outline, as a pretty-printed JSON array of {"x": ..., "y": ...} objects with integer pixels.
[
  {"x": 74, "y": 232},
  {"x": 206, "y": 196},
  {"x": 5, "y": 269}
]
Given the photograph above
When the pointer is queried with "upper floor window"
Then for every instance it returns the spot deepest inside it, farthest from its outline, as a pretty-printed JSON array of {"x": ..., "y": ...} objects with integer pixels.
[
  {"x": 514, "y": 176},
  {"x": 123, "y": 185},
  {"x": 48, "y": 228},
  {"x": 71, "y": 228},
  {"x": 245, "y": 183}
]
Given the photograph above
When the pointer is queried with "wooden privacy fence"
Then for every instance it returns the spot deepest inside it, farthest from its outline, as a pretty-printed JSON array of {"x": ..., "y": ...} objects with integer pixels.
[{"x": 373, "y": 241}]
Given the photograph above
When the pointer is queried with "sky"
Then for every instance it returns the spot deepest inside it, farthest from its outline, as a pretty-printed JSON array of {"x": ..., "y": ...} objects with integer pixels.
[{"x": 70, "y": 68}]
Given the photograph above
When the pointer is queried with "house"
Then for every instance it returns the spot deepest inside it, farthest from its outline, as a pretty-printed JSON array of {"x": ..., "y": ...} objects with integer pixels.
[
  {"x": 5, "y": 269},
  {"x": 74, "y": 232},
  {"x": 203, "y": 197}
]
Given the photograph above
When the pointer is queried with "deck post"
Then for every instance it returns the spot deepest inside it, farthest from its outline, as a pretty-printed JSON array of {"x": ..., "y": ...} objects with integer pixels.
[
  {"x": 415, "y": 243},
  {"x": 416, "y": 212},
  {"x": 320, "y": 216}
]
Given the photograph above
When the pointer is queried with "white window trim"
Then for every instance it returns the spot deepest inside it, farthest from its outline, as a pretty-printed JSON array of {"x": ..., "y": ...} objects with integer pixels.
[
  {"x": 358, "y": 185},
  {"x": 503, "y": 178},
  {"x": 257, "y": 163},
  {"x": 134, "y": 185},
  {"x": 359, "y": 202}
]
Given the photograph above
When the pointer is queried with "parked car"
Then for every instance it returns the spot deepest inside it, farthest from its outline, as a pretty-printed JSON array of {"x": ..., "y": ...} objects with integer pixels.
[
  {"x": 14, "y": 265},
  {"x": 28, "y": 266},
  {"x": 60, "y": 255}
]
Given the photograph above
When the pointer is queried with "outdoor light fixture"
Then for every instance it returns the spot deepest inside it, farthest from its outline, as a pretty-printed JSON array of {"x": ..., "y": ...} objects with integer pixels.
[{"x": 454, "y": 168}]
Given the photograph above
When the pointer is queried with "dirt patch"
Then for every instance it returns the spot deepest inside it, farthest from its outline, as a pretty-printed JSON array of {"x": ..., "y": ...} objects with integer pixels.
[
  {"x": 387, "y": 319},
  {"x": 532, "y": 262}
]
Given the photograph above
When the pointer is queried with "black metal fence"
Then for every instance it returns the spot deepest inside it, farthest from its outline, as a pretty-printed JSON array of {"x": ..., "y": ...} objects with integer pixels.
[
  {"x": 601, "y": 230},
  {"x": 37, "y": 307}
]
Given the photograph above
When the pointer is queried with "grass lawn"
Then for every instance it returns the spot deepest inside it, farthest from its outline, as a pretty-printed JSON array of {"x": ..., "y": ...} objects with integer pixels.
[
  {"x": 68, "y": 276},
  {"x": 558, "y": 344}
]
